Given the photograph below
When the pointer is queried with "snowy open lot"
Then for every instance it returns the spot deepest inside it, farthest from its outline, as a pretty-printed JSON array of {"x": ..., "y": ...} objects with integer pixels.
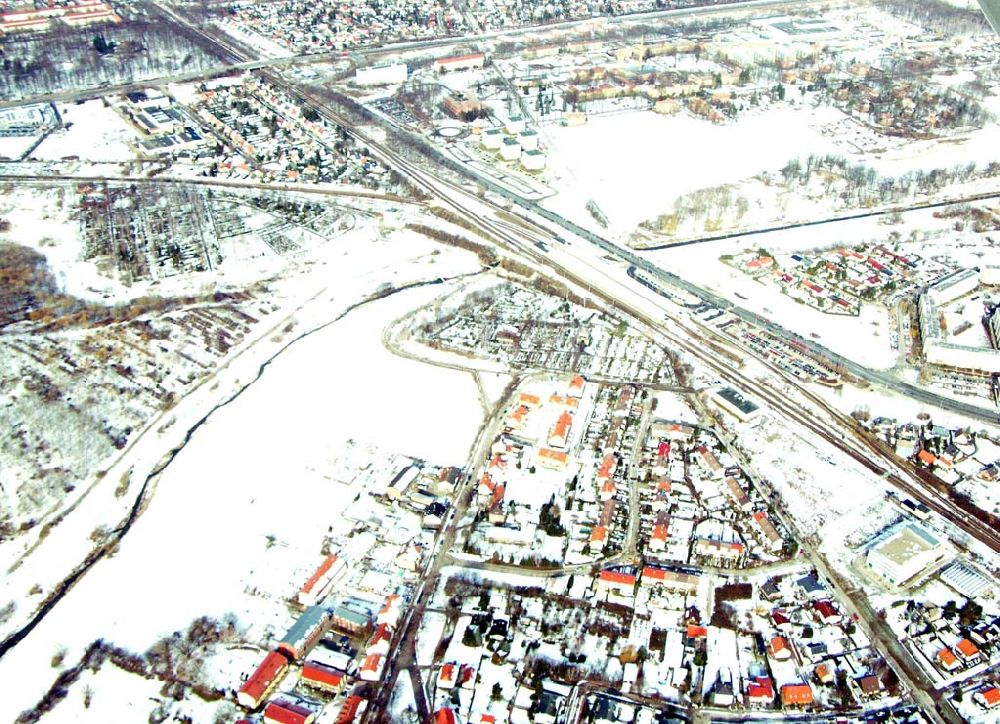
[
  {"x": 636, "y": 164},
  {"x": 91, "y": 132}
]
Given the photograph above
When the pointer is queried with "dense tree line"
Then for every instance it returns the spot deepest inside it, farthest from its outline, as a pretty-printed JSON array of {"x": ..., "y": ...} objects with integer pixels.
[
  {"x": 939, "y": 15},
  {"x": 65, "y": 58},
  {"x": 863, "y": 184}
]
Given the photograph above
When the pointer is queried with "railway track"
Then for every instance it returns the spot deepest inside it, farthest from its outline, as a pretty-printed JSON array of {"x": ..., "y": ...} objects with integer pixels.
[
  {"x": 867, "y": 452},
  {"x": 709, "y": 352},
  {"x": 527, "y": 239}
]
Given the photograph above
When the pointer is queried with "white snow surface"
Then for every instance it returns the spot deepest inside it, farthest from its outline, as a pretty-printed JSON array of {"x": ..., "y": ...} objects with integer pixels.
[
  {"x": 256, "y": 469},
  {"x": 92, "y": 132},
  {"x": 636, "y": 164}
]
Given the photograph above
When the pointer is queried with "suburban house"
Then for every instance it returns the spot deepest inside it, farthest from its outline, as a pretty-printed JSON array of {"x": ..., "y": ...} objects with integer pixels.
[{"x": 796, "y": 695}]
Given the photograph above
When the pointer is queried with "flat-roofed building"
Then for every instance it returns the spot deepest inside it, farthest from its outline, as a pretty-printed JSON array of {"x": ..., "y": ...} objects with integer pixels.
[
  {"x": 965, "y": 579},
  {"x": 902, "y": 552},
  {"x": 736, "y": 404},
  {"x": 382, "y": 74}
]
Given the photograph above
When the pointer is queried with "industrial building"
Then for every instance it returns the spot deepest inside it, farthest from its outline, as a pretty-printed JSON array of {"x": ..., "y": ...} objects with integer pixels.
[
  {"x": 533, "y": 160},
  {"x": 965, "y": 579},
  {"x": 28, "y": 120},
  {"x": 902, "y": 552},
  {"x": 953, "y": 286},
  {"x": 510, "y": 150},
  {"x": 460, "y": 62},
  {"x": 305, "y": 632},
  {"x": 491, "y": 139},
  {"x": 938, "y": 345},
  {"x": 735, "y": 404},
  {"x": 463, "y": 106}
]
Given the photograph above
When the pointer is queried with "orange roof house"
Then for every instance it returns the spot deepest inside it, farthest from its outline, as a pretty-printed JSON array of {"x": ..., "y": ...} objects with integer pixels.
[
  {"x": 760, "y": 690},
  {"x": 966, "y": 649},
  {"x": 497, "y": 498},
  {"x": 988, "y": 698},
  {"x": 318, "y": 582},
  {"x": 322, "y": 676},
  {"x": 760, "y": 262},
  {"x": 380, "y": 640},
  {"x": 390, "y": 611},
  {"x": 569, "y": 403},
  {"x": 946, "y": 657},
  {"x": 529, "y": 399},
  {"x": 486, "y": 484},
  {"x": 285, "y": 712},
  {"x": 651, "y": 573},
  {"x": 926, "y": 457},
  {"x": 349, "y": 711},
  {"x": 518, "y": 417},
  {"x": 617, "y": 577},
  {"x": 778, "y": 648},
  {"x": 599, "y": 534},
  {"x": 696, "y": 632},
  {"x": 870, "y": 685},
  {"x": 796, "y": 695},
  {"x": 471, "y": 60},
  {"x": 554, "y": 459},
  {"x": 371, "y": 667},
  {"x": 560, "y": 433},
  {"x": 622, "y": 584},
  {"x": 824, "y": 673},
  {"x": 447, "y": 676},
  {"x": 660, "y": 532},
  {"x": 262, "y": 681},
  {"x": 444, "y": 716}
]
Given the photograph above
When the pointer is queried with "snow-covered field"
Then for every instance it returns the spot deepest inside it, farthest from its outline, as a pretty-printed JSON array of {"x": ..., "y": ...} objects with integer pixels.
[
  {"x": 43, "y": 219},
  {"x": 256, "y": 469},
  {"x": 110, "y": 695},
  {"x": 826, "y": 494},
  {"x": 12, "y": 147},
  {"x": 91, "y": 132},
  {"x": 881, "y": 403},
  {"x": 635, "y": 164}
]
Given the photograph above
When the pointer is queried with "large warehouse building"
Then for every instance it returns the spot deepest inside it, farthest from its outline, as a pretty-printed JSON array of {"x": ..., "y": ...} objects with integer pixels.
[
  {"x": 941, "y": 349},
  {"x": 903, "y": 551}
]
